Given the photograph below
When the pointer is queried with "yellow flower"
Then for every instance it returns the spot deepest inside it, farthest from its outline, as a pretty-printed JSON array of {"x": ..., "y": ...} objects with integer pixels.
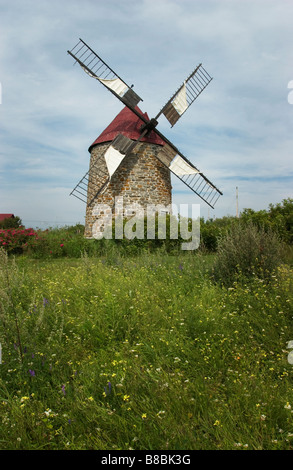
[
  {"x": 24, "y": 398},
  {"x": 143, "y": 415},
  {"x": 90, "y": 398},
  {"x": 126, "y": 397},
  {"x": 217, "y": 422}
]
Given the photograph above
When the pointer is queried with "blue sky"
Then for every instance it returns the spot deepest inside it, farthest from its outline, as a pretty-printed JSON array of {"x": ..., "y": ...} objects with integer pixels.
[{"x": 239, "y": 132}]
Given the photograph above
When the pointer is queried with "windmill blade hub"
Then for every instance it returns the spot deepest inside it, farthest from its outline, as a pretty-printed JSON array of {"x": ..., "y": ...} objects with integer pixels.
[{"x": 148, "y": 127}]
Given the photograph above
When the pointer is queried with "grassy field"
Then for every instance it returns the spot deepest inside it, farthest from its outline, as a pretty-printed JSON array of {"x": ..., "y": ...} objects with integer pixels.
[{"x": 143, "y": 353}]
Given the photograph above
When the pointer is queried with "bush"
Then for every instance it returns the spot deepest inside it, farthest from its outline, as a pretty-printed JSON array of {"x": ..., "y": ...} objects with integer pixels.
[
  {"x": 247, "y": 251},
  {"x": 212, "y": 229},
  {"x": 278, "y": 217},
  {"x": 19, "y": 240},
  {"x": 10, "y": 222}
]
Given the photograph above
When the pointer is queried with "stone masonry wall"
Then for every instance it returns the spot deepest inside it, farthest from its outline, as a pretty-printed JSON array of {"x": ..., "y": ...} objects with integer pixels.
[{"x": 141, "y": 178}]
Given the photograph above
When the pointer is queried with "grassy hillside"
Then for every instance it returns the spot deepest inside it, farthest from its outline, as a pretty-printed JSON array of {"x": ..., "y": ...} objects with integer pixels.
[{"x": 111, "y": 352}]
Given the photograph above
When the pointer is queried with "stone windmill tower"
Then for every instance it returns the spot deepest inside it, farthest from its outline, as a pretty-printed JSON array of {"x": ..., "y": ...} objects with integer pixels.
[
  {"x": 131, "y": 158},
  {"x": 140, "y": 178}
]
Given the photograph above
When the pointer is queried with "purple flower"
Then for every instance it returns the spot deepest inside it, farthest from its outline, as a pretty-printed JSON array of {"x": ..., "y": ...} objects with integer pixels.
[
  {"x": 32, "y": 372},
  {"x": 108, "y": 390},
  {"x": 63, "y": 390}
]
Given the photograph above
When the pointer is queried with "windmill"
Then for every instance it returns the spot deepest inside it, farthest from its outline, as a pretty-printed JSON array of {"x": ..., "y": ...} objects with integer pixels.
[{"x": 132, "y": 144}]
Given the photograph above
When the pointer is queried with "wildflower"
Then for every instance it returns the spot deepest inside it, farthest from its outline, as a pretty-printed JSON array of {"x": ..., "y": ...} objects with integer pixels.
[
  {"x": 107, "y": 390},
  {"x": 126, "y": 397},
  {"x": 217, "y": 422},
  {"x": 24, "y": 398},
  {"x": 144, "y": 416},
  {"x": 63, "y": 390},
  {"x": 32, "y": 372},
  {"x": 61, "y": 244},
  {"x": 287, "y": 406},
  {"x": 90, "y": 399}
]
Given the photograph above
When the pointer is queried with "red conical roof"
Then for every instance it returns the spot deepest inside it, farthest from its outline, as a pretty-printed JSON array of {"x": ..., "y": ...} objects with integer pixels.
[{"x": 128, "y": 124}]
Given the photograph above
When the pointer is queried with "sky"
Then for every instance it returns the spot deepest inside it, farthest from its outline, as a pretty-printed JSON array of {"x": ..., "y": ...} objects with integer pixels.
[{"x": 239, "y": 132}]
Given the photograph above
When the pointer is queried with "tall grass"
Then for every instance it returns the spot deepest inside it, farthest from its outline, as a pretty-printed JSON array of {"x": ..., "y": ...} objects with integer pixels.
[{"x": 145, "y": 353}]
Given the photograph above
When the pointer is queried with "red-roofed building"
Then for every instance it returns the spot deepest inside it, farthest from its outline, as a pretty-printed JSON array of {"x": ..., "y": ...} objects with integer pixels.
[{"x": 6, "y": 216}]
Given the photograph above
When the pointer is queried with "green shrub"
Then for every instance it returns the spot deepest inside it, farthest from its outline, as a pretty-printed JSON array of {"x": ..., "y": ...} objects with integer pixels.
[
  {"x": 209, "y": 234},
  {"x": 212, "y": 229},
  {"x": 278, "y": 217},
  {"x": 10, "y": 222},
  {"x": 246, "y": 251}
]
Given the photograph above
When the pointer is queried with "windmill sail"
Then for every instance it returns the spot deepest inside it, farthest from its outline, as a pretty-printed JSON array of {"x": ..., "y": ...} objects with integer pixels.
[
  {"x": 97, "y": 68},
  {"x": 96, "y": 180},
  {"x": 186, "y": 95},
  {"x": 189, "y": 174},
  {"x": 118, "y": 150},
  {"x": 180, "y": 167},
  {"x": 113, "y": 159},
  {"x": 93, "y": 182}
]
